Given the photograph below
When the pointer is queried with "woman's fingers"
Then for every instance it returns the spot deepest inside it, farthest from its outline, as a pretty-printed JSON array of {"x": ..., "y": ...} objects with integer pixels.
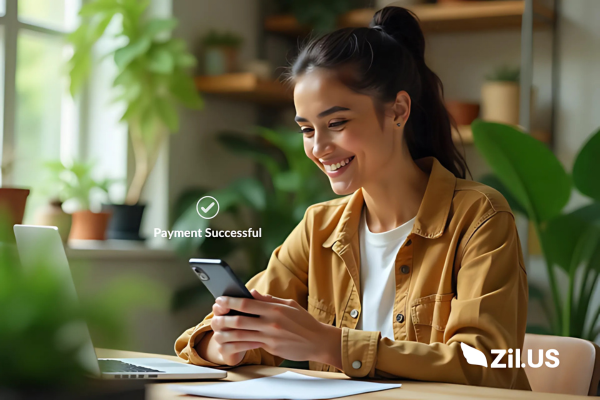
[
  {"x": 237, "y": 322},
  {"x": 238, "y": 347},
  {"x": 271, "y": 299},
  {"x": 240, "y": 335},
  {"x": 219, "y": 309}
]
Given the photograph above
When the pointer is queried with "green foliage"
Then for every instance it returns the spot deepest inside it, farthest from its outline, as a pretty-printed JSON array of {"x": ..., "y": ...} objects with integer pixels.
[
  {"x": 537, "y": 185},
  {"x": 152, "y": 74},
  {"x": 75, "y": 182},
  {"x": 41, "y": 337},
  {"x": 276, "y": 203},
  {"x": 224, "y": 39},
  {"x": 505, "y": 73},
  {"x": 320, "y": 14}
]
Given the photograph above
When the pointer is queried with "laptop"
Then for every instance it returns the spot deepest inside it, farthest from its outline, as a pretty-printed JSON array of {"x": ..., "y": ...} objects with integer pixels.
[{"x": 44, "y": 242}]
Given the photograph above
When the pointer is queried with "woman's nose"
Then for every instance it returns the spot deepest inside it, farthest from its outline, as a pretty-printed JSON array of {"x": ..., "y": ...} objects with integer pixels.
[{"x": 322, "y": 145}]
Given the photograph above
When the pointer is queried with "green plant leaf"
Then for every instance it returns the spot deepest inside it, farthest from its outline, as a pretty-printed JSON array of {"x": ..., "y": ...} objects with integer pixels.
[
  {"x": 560, "y": 238},
  {"x": 160, "y": 61},
  {"x": 586, "y": 169},
  {"x": 168, "y": 114},
  {"x": 526, "y": 167},
  {"x": 252, "y": 191},
  {"x": 127, "y": 54},
  {"x": 156, "y": 27},
  {"x": 288, "y": 181},
  {"x": 184, "y": 89}
]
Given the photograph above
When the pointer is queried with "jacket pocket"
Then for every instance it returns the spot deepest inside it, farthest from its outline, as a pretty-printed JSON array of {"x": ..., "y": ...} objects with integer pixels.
[
  {"x": 323, "y": 313},
  {"x": 429, "y": 316}
]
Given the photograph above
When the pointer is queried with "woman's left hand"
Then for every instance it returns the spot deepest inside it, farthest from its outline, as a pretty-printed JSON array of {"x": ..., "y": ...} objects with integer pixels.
[{"x": 284, "y": 329}]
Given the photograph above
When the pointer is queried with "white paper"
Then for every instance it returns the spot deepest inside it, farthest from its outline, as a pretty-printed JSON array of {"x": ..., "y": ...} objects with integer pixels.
[{"x": 289, "y": 385}]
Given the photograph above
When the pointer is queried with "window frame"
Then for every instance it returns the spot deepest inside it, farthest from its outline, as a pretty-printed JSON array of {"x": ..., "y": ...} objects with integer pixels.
[{"x": 12, "y": 26}]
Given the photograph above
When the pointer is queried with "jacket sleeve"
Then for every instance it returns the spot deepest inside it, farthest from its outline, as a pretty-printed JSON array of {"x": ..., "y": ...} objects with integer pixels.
[
  {"x": 286, "y": 276},
  {"x": 488, "y": 312}
]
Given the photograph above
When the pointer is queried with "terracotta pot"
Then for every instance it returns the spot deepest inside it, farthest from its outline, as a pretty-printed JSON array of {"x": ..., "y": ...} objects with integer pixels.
[
  {"x": 12, "y": 204},
  {"x": 53, "y": 215},
  {"x": 89, "y": 225},
  {"x": 463, "y": 113}
]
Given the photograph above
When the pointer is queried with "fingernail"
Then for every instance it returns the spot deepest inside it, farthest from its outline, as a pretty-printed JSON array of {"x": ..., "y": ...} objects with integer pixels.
[{"x": 219, "y": 300}]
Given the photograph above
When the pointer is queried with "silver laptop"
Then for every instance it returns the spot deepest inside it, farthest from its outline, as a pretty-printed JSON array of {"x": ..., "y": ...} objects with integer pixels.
[{"x": 31, "y": 242}]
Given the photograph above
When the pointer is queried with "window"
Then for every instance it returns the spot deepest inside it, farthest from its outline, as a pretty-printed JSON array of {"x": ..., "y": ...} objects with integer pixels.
[{"x": 39, "y": 118}]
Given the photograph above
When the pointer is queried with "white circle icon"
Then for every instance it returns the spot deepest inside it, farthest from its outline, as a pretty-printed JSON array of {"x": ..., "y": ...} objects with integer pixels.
[{"x": 207, "y": 209}]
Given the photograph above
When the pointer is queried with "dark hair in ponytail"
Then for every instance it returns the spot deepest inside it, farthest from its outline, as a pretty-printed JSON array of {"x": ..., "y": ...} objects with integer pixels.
[{"x": 387, "y": 57}]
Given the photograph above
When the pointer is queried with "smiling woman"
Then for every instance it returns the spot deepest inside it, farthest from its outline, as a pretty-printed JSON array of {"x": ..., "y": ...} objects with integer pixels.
[{"x": 389, "y": 280}]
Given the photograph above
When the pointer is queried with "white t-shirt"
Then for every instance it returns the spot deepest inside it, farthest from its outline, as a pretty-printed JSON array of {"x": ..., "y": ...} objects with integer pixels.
[{"x": 377, "y": 278}]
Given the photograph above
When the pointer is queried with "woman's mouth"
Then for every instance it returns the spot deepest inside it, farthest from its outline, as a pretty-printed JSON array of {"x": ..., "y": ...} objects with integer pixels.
[{"x": 338, "y": 168}]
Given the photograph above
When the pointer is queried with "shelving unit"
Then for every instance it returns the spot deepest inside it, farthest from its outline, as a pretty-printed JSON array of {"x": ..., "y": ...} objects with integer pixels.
[
  {"x": 246, "y": 86},
  {"x": 460, "y": 17},
  {"x": 464, "y": 135}
]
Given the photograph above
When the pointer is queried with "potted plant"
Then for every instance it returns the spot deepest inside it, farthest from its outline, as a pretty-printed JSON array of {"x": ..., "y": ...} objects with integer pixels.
[
  {"x": 75, "y": 184},
  {"x": 536, "y": 184},
  {"x": 221, "y": 52},
  {"x": 322, "y": 15},
  {"x": 12, "y": 200},
  {"x": 500, "y": 96},
  {"x": 152, "y": 79}
]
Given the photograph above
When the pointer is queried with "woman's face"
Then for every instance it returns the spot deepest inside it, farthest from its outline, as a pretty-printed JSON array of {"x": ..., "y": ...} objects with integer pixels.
[{"x": 342, "y": 132}]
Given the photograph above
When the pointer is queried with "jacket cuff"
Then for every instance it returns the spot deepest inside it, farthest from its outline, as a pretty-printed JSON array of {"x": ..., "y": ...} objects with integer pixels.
[
  {"x": 359, "y": 352},
  {"x": 195, "y": 338}
]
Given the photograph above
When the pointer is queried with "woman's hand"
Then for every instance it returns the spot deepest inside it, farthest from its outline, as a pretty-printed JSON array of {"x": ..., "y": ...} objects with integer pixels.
[{"x": 283, "y": 328}]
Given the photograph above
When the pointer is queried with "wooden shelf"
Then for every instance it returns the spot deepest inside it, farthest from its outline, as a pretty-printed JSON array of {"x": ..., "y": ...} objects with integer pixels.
[
  {"x": 466, "y": 134},
  {"x": 457, "y": 17},
  {"x": 246, "y": 86}
]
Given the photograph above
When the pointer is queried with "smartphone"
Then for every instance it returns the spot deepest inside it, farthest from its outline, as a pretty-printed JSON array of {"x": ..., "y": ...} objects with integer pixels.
[{"x": 220, "y": 280}]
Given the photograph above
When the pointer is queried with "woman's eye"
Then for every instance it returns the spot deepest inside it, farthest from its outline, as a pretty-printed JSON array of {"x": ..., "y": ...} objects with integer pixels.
[
  {"x": 306, "y": 130},
  {"x": 337, "y": 123}
]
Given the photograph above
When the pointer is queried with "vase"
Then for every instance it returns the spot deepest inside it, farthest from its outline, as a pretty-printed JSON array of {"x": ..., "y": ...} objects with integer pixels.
[
  {"x": 12, "y": 204},
  {"x": 125, "y": 222},
  {"x": 89, "y": 225},
  {"x": 53, "y": 215}
]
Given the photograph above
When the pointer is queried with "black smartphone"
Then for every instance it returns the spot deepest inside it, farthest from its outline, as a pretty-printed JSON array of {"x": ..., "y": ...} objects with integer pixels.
[{"x": 220, "y": 280}]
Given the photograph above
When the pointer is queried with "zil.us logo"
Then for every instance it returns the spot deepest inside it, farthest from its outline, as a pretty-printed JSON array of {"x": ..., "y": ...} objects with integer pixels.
[{"x": 476, "y": 357}]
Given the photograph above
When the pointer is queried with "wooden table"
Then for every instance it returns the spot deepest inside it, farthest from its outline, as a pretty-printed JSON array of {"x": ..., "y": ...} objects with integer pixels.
[{"x": 409, "y": 389}]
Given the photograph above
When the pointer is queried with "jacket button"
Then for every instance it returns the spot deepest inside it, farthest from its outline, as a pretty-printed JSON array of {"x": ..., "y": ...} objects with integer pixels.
[
  {"x": 354, "y": 313},
  {"x": 356, "y": 364},
  {"x": 405, "y": 269},
  {"x": 400, "y": 318}
]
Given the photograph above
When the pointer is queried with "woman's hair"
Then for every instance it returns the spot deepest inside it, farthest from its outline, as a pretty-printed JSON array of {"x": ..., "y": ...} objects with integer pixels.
[{"x": 381, "y": 60}]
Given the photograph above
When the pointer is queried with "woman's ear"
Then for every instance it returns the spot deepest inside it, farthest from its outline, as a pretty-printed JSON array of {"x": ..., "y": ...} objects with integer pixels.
[{"x": 401, "y": 107}]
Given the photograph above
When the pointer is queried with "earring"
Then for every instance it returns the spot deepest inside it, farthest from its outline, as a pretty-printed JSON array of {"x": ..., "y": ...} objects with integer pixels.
[{"x": 399, "y": 124}]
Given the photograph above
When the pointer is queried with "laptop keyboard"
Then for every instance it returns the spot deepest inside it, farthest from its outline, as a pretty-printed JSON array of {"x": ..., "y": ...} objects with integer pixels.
[{"x": 120, "y": 366}]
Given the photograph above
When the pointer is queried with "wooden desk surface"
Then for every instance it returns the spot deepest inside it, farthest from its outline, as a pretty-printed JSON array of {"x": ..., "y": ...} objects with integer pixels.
[{"x": 409, "y": 389}]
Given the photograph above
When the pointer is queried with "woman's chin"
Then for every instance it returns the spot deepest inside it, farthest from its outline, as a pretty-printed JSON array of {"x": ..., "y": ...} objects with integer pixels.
[{"x": 343, "y": 188}]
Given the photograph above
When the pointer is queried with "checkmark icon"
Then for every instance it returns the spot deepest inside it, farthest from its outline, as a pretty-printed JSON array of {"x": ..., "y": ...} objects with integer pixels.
[{"x": 208, "y": 208}]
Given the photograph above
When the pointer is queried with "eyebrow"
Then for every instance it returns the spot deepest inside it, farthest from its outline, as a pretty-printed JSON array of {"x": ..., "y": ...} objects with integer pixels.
[{"x": 325, "y": 113}]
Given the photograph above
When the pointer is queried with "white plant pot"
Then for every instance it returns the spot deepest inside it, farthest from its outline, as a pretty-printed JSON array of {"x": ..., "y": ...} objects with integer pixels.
[{"x": 500, "y": 102}]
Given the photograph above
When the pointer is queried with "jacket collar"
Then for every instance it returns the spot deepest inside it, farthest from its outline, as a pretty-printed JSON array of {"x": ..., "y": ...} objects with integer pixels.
[{"x": 431, "y": 217}]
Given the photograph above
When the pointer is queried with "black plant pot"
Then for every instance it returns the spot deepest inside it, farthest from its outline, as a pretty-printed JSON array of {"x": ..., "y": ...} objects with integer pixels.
[{"x": 125, "y": 222}]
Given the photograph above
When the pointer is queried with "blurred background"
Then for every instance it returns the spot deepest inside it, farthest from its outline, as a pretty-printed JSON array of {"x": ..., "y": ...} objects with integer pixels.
[{"x": 118, "y": 115}]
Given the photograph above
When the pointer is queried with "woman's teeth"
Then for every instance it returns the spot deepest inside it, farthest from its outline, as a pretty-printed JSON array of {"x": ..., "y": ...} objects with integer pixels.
[{"x": 333, "y": 167}]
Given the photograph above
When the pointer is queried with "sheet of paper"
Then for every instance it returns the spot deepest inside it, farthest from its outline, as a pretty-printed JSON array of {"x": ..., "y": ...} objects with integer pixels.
[{"x": 289, "y": 385}]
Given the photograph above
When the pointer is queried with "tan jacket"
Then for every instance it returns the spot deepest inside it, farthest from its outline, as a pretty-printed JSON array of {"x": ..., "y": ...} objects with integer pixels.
[{"x": 465, "y": 282}]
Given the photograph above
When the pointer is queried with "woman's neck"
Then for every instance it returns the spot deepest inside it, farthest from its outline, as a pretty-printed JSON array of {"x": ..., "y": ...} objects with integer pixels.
[{"x": 395, "y": 198}]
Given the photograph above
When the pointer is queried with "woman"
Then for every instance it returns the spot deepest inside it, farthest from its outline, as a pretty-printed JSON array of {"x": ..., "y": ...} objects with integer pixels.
[{"x": 391, "y": 279}]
